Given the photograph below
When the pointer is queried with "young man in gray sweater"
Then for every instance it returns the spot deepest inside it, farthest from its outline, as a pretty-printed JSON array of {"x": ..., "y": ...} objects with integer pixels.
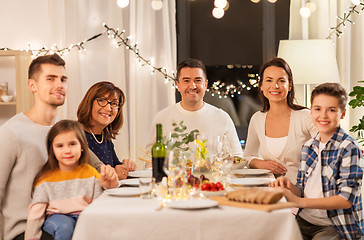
[{"x": 22, "y": 143}]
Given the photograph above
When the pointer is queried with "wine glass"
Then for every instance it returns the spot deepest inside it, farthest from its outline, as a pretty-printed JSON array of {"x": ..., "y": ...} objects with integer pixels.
[
  {"x": 174, "y": 166},
  {"x": 224, "y": 159}
]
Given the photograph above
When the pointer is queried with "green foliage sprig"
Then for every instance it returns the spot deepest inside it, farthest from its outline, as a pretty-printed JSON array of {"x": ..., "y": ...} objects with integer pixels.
[
  {"x": 358, "y": 101},
  {"x": 180, "y": 138}
]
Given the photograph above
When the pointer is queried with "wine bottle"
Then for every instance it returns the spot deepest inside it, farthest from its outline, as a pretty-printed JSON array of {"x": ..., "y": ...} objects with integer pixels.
[{"x": 158, "y": 154}]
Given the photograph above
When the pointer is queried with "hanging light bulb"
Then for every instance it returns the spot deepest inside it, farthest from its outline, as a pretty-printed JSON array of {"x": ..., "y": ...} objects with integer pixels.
[
  {"x": 305, "y": 12},
  {"x": 218, "y": 13},
  {"x": 272, "y": 1},
  {"x": 355, "y": 2},
  {"x": 255, "y": 1},
  {"x": 122, "y": 3},
  {"x": 220, "y": 3},
  {"x": 157, "y": 5}
]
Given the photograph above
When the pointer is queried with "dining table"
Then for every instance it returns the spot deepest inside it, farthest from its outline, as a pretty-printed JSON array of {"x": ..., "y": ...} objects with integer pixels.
[{"x": 119, "y": 217}]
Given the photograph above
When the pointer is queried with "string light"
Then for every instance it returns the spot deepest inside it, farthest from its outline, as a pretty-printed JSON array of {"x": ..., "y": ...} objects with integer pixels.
[
  {"x": 345, "y": 19},
  {"x": 217, "y": 88},
  {"x": 117, "y": 35},
  {"x": 222, "y": 89}
]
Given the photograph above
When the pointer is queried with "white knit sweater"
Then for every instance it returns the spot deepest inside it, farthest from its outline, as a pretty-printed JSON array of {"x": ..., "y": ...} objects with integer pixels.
[{"x": 208, "y": 120}]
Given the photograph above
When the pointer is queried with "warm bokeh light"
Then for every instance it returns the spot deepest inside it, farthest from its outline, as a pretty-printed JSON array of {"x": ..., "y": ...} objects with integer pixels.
[
  {"x": 122, "y": 3},
  {"x": 305, "y": 12},
  {"x": 218, "y": 13},
  {"x": 157, "y": 5},
  {"x": 220, "y": 3},
  {"x": 272, "y": 1},
  {"x": 312, "y": 6},
  {"x": 255, "y": 1}
]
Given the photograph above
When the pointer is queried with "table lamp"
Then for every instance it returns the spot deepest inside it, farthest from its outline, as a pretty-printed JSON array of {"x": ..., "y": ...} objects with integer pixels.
[{"x": 311, "y": 61}]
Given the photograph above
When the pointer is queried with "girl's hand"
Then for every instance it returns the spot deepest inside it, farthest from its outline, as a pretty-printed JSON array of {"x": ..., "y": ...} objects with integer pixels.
[
  {"x": 131, "y": 164},
  {"x": 283, "y": 182},
  {"x": 108, "y": 177},
  {"x": 273, "y": 166}
]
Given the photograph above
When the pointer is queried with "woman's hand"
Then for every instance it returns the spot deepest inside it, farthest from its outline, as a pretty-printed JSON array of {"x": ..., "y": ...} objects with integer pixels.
[
  {"x": 122, "y": 171},
  {"x": 108, "y": 177},
  {"x": 131, "y": 164},
  {"x": 273, "y": 166}
]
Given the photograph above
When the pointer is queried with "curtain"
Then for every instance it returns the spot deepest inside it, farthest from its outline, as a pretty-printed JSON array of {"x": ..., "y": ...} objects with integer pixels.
[
  {"x": 349, "y": 47},
  {"x": 65, "y": 22}
]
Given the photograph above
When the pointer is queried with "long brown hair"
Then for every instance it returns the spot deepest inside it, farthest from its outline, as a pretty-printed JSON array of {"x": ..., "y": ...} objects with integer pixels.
[
  {"x": 279, "y": 62},
  {"x": 98, "y": 90},
  {"x": 52, "y": 162}
]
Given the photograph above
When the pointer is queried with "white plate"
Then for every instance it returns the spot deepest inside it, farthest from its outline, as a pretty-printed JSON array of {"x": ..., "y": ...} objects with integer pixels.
[
  {"x": 194, "y": 203},
  {"x": 123, "y": 192},
  {"x": 248, "y": 171},
  {"x": 213, "y": 193},
  {"x": 251, "y": 181},
  {"x": 141, "y": 173},
  {"x": 130, "y": 182}
]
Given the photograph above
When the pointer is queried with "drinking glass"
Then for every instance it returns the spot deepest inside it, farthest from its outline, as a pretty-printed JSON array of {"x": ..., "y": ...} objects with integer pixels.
[
  {"x": 224, "y": 159},
  {"x": 174, "y": 166},
  {"x": 202, "y": 160},
  {"x": 145, "y": 186}
]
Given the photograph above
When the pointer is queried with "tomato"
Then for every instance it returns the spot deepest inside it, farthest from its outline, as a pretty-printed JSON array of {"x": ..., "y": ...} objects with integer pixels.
[
  {"x": 219, "y": 185},
  {"x": 205, "y": 187},
  {"x": 196, "y": 186},
  {"x": 213, "y": 186}
]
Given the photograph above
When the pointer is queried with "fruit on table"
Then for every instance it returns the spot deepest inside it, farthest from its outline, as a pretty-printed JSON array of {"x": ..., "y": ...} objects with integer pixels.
[{"x": 212, "y": 186}]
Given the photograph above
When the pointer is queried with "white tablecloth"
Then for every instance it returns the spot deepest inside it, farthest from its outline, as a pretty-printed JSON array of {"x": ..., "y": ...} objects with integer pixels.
[{"x": 111, "y": 217}]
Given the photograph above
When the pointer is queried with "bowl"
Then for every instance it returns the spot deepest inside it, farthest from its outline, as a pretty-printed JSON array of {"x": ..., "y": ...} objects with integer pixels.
[{"x": 7, "y": 98}]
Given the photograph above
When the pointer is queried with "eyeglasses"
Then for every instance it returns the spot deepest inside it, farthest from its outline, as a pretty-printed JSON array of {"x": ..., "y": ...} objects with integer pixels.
[{"x": 103, "y": 102}]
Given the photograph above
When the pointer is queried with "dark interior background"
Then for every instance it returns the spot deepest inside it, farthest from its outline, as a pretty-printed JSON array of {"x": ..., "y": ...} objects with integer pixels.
[{"x": 232, "y": 48}]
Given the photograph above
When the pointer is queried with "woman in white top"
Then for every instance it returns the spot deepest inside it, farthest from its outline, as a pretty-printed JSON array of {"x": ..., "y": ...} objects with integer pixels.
[{"x": 277, "y": 132}]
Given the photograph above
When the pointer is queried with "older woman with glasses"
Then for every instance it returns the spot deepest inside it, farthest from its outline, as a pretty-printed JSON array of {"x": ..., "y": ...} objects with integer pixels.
[{"x": 101, "y": 115}]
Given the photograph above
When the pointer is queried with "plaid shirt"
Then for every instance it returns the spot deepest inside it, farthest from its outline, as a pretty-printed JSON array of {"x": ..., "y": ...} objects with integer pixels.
[{"x": 342, "y": 171}]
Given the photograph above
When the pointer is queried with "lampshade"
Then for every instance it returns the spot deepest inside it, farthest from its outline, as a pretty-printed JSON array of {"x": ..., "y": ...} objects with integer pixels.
[{"x": 311, "y": 61}]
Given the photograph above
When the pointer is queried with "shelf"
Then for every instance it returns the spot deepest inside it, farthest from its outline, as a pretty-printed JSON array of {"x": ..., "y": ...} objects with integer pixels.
[{"x": 7, "y": 103}]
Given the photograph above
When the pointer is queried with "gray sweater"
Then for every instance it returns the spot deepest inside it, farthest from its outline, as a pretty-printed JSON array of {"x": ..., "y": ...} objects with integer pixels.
[{"x": 22, "y": 154}]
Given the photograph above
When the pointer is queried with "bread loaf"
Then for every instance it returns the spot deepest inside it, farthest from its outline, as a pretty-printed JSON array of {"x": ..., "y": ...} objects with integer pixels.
[{"x": 255, "y": 195}]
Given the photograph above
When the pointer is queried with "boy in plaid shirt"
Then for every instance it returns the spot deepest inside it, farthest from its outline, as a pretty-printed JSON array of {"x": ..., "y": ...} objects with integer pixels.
[{"x": 328, "y": 188}]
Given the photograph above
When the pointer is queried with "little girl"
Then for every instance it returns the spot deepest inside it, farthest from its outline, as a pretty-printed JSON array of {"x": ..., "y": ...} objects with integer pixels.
[{"x": 66, "y": 184}]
